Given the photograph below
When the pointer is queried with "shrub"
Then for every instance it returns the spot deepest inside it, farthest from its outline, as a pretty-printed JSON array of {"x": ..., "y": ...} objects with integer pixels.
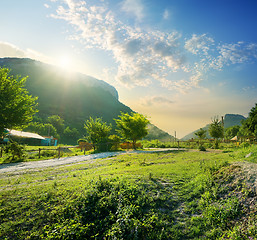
[
  {"x": 16, "y": 152},
  {"x": 202, "y": 148},
  {"x": 245, "y": 145}
]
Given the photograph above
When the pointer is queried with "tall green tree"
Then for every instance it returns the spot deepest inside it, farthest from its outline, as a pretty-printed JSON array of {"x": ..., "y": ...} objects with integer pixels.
[
  {"x": 71, "y": 135},
  {"x": 44, "y": 129},
  {"x": 231, "y": 132},
  {"x": 216, "y": 130},
  {"x": 251, "y": 121},
  {"x": 132, "y": 127},
  {"x": 201, "y": 134},
  {"x": 17, "y": 107},
  {"x": 57, "y": 122},
  {"x": 97, "y": 132}
]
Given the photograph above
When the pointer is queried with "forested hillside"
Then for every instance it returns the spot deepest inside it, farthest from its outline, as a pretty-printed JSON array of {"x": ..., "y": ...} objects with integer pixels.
[{"x": 73, "y": 96}]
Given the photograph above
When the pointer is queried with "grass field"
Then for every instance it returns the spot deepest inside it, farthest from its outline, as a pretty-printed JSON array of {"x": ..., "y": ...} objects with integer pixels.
[{"x": 173, "y": 195}]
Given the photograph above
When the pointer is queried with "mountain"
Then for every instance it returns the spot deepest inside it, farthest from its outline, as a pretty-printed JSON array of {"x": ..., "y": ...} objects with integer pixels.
[
  {"x": 73, "y": 96},
  {"x": 232, "y": 120},
  {"x": 229, "y": 121}
]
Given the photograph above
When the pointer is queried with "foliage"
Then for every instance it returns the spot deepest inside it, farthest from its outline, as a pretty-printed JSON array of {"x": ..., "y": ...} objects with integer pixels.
[
  {"x": 132, "y": 127},
  {"x": 97, "y": 132},
  {"x": 81, "y": 140},
  {"x": 15, "y": 151},
  {"x": 231, "y": 132},
  {"x": 114, "y": 142},
  {"x": 216, "y": 130},
  {"x": 244, "y": 131},
  {"x": 251, "y": 121},
  {"x": 70, "y": 135},
  {"x": 201, "y": 134},
  {"x": 44, "y": 129},
  {"x": 17, "y": 106},
  {"x": 57, "y": 122},
  {"x": 202, "y": 148},
  {"x": 174, "y": 195},
  {"x": 74, "y": 97}
]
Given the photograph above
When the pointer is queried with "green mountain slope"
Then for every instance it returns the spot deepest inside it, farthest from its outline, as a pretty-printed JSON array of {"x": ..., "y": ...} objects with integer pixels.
[
  {"x": 73, "y": 96},
  {"x": 229, "y": 121}
]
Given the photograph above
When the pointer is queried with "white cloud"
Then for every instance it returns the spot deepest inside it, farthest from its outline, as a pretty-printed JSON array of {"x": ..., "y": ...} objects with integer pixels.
[
  {"x": 134, "y": 8},
  {"x": 199, "y": 43},
  {"x": 166, "y": 14},
  {"x": 46, "y": 5},
  {"x": 155, "y": 101},
  {"x": 143, "y": 57},
  {"x": 234, "y": 54}
]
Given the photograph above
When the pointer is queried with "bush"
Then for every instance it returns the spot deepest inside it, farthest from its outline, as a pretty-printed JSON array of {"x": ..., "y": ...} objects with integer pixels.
[
  {"x": 108, "y": 210},
  {"x": 48, "y": 153},
  {"x": 15, "y": 151},
  {"x": 114, "y": 141},
  {"x": 82, "y": 140},
  {"x": 245, "y": 145},
  {"x": 202, "y": 148}
]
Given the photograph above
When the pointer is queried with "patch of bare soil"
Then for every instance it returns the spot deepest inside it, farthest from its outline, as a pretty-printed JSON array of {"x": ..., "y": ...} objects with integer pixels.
[
  {"x": 248, "y": 174},
  {"x": 240, "y": 180}
]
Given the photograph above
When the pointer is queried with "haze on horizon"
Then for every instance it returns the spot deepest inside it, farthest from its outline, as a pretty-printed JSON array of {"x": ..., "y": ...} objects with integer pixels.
[{"x": 178, "y": 62}]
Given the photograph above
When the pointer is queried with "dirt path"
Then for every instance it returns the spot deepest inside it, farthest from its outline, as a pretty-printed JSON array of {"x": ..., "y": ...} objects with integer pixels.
[{"x": 13, "y": 167}]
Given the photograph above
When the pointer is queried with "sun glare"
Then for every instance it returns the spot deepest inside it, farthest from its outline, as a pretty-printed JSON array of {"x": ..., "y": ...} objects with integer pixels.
[{"x": 64, "y": 62}]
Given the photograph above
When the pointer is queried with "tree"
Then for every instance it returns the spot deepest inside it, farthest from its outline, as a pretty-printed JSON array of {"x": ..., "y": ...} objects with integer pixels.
[
  {"x": 132, "y": 127},
  {"x": 57, "y": 122},
  {"x": 251, "y": 121},
  {"x": 97, "y": 132},
  {"x": 201, "y": 134},
  {"x": 231, "y": 132},
  {"x": 71, "y": 135},
  {"x": 42, "y": 129},
  {"x": 17, "y": 107},
  {"x": 216, "y": 130},
  {"x": 244, "y": 132}
]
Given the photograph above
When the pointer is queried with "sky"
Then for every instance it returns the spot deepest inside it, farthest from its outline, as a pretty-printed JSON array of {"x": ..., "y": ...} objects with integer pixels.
[{"x": 178, "y": 62}]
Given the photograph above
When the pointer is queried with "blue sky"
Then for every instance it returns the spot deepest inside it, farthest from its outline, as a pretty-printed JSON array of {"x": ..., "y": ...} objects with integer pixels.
[{"x": 180, "y": 62}]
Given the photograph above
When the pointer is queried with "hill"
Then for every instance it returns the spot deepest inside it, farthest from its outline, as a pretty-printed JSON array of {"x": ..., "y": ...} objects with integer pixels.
[
  {"x": 229, "y": 121},
  {"x": 73, "y": 96}
]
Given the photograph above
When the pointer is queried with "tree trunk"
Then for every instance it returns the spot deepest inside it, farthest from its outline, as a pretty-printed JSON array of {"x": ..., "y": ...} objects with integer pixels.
[{"x": 134, "y": 144}]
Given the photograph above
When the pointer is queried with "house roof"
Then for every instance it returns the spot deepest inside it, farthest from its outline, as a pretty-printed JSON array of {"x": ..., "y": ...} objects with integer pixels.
[{"x": 22, "y": 134}]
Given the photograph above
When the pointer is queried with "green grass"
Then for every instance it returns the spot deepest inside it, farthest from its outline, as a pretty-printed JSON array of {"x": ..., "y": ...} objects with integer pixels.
[
  {"x": 173, "y": 195},
  {"x": 47, "y": 152}
]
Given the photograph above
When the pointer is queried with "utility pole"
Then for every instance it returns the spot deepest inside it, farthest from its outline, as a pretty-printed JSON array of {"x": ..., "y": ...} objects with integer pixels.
[{"x": 222, "y": 121}]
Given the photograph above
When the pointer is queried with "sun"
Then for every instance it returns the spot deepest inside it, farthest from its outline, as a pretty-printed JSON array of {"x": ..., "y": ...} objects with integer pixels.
[{"x": 64, "y": 62}]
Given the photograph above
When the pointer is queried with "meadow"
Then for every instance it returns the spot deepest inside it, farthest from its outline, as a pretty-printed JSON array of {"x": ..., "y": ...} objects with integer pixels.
[{"x": 166, "y": 195}]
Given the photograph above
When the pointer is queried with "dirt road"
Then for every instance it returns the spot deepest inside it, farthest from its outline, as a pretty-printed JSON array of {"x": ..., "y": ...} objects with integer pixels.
[{"x": 13, "y": 167}]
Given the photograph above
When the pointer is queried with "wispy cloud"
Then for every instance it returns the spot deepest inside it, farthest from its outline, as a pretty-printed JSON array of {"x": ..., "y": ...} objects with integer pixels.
[
  {"x": 166, "y": 14},
  {"x": 46, "y": 5},
  {"x": 134, "y": 8},
  {"x": 142, "y": 56},
  {"x": 155, "y": 100},
  {"x": 234, "y": 53},
  {"x": 199, "y": 44}
]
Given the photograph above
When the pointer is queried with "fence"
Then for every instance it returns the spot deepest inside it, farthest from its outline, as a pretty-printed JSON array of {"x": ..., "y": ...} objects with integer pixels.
[{"x": 85, "y": 146}]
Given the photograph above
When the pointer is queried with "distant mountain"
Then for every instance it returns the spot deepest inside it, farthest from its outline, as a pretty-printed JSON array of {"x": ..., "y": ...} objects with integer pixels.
[
  {"x": 73, "y": 96},
  {"x": 229, "y": 121},
  {"x": 232, "y": 120}
]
